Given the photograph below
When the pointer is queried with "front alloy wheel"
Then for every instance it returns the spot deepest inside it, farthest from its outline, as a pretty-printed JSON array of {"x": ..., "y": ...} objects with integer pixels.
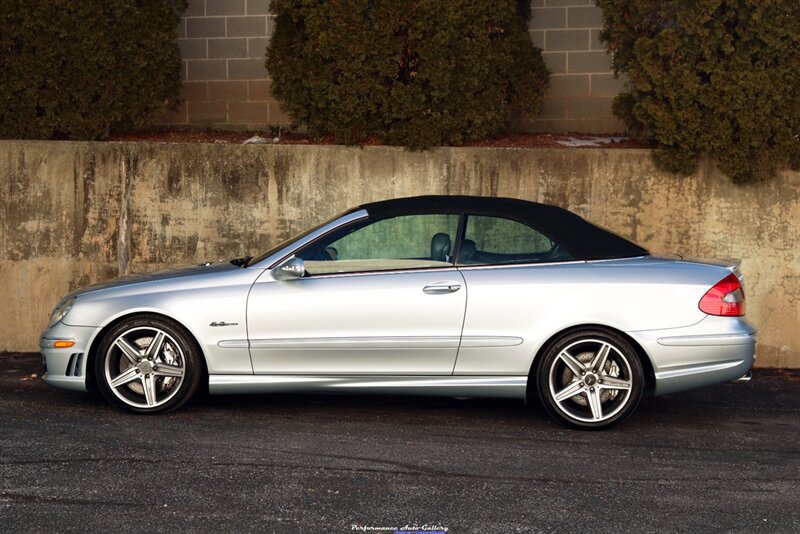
[
  {"x": 147, "y": 365},
  {"x": 590, "y": 379}
]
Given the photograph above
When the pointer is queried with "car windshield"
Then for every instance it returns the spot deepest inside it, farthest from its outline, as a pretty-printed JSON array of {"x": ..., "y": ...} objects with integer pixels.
[{"x": 261, "y": 257}]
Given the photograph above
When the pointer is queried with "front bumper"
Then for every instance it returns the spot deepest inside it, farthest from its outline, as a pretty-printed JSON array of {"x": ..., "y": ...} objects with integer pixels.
[{"x": 66, "y": 368}]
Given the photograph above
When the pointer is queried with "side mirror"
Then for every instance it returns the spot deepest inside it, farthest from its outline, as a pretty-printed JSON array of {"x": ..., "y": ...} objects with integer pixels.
[{"x": 290, "y": 269}]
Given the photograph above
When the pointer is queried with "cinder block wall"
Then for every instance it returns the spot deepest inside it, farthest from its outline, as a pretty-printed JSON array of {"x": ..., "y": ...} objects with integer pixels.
[
  {"x": 225, "y": 84},
  {"x": 582, "y": 84}
]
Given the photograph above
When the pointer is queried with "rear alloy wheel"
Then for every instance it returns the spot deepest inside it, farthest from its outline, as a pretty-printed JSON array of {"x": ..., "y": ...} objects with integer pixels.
[
  {"x": 148, "y": 365},
  {"x": 590, "y": 379}
]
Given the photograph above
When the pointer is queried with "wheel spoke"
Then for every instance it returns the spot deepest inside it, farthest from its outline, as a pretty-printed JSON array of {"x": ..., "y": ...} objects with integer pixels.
[
  {"x": 155, "y": 346},
  {"x": 574, "y": 365},
  {"x": 599, "y": 360},
  {"x": 595, "y": 403},
  {"x": 570, "y": 391},
  {"x": 610, "y": 382},
  {"x": 163, "y": 369},
  {"x": 128, "y": 351},
  {"x": 149, "y": 385},
  {"x": 128, "y": 375}
]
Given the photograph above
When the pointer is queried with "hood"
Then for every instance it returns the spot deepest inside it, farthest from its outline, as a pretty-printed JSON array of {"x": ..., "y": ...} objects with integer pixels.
[{"x": 157, "y": 276}]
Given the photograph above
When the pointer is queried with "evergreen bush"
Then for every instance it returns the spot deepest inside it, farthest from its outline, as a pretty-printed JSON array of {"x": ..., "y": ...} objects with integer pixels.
[
  {"x": 408, "y": 72},
  {"x": 81, "y": 69},
  {"x": 710, "y": 76}
]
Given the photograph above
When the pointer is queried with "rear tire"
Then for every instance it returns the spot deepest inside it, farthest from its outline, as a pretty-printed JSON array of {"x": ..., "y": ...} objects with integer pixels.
[
  {"x": 590, "y": 379},
  {"x": 148, "y": 364}
]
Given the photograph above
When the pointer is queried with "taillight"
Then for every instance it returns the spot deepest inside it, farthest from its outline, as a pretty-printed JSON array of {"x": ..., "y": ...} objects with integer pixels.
[{"x": 725, "y": 298}]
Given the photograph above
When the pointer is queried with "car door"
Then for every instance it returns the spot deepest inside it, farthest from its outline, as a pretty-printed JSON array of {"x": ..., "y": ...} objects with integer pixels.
[{"x": 379, "y": 297}]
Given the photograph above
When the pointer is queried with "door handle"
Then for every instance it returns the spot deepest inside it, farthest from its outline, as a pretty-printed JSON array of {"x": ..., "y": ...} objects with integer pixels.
[{"x": 442, "y": 287}]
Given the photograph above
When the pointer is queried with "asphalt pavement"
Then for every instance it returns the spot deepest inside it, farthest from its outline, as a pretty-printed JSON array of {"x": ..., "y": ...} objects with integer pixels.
[{"x": 724, "y": 458}]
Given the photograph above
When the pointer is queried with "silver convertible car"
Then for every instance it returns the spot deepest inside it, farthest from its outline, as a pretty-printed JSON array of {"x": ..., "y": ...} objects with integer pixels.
[{"x": 436, "y": 295}]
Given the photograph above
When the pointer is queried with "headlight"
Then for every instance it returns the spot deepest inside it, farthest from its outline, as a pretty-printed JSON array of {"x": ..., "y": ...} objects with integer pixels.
[{"x": 61, "y": 311}]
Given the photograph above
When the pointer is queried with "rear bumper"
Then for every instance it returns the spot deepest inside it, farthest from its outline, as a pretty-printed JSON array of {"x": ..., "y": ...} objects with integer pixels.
[{"x": 715, "y": 350}]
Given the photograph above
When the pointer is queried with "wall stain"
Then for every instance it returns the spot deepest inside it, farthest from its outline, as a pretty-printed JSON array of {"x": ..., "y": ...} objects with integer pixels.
[{"x": 174, "y": 178}]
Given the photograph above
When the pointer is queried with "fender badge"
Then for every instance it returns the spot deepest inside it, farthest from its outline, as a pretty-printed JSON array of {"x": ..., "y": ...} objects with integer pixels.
[{"x": 222, "y": 323}]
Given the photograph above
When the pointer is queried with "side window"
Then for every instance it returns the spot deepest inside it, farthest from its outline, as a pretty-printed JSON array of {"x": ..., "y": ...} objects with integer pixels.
[
  {"x": 402, "y": 242},
  {"x": 496, "y": 240}
]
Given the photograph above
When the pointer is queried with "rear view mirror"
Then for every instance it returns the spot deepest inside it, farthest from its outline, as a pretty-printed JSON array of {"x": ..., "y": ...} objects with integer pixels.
[{"x": 290, "y": 269}]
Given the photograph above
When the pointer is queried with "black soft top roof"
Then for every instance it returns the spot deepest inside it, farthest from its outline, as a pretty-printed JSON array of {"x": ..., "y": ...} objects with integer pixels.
[{"x": 582, "y": 239}]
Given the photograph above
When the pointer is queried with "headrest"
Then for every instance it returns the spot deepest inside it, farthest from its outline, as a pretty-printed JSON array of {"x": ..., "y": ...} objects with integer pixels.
[{"x": 440, "y": 247}]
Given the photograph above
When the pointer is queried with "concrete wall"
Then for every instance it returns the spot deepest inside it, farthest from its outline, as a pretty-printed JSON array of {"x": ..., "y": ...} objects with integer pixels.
[
  {"x": 225, "y": 85},
  {"x": 72, "y": 213}
]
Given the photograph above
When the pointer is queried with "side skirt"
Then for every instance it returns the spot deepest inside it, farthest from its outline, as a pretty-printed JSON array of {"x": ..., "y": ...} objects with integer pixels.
[{"x": 448, "y": 386}]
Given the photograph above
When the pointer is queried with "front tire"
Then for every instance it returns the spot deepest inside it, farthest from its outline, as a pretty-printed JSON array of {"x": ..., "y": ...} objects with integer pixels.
[
  {"x": 590, "y": 379},
  {"x": 148, "y": 365}
]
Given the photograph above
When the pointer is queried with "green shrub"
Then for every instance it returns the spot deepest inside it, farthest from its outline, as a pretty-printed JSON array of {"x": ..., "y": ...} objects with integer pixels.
[
  {"x": 710, "y": 76},
  {"x": 408, "y": 72},
  {"x": 81, "y": 69}
]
